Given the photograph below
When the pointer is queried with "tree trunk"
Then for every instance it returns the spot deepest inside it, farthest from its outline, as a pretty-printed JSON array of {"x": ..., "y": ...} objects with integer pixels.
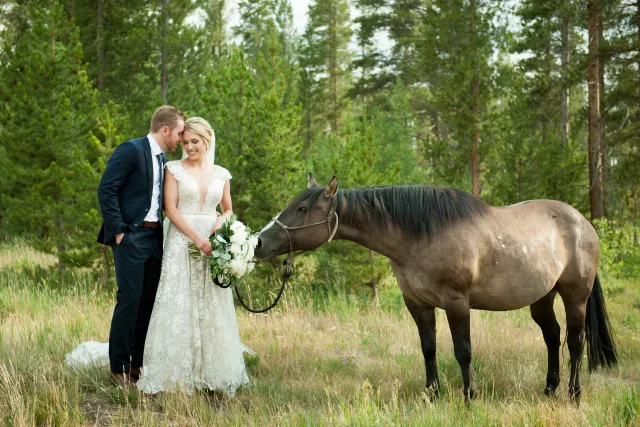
[
  {"x": 475, "y": 94},
  {"x": 60, "y": 245},
  {"x": 602, "y": 127},
  {"x": 564, "y": 94},
  {"x": 593, "y": 81},
  {"x": 435, "y": 116},
  {"x": 164, "y": 78},
  {"x": 635, "y": 185},
  {"x": 309, "y": 110},
  {"x": 635, "y": 215},
  {"x": 217, "y": 27},
  {"x": 520, "y": 177},
  {"x": 100, "y": 45},
  {"x": 333, "y": 69}
]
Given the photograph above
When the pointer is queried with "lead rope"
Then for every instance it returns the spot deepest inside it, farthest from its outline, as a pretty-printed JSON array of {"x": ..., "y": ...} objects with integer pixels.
[{"x": 287, "y": 264}]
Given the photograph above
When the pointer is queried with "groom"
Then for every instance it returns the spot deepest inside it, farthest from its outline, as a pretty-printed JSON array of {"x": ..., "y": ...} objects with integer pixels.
[{"x": 130, "y": 196}]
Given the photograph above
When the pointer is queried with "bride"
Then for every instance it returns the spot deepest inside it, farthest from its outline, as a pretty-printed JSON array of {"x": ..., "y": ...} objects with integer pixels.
[{"x": 193, "y": 340}]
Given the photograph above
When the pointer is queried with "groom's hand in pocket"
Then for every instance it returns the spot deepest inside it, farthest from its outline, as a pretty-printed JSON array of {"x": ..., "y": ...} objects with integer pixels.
[{"x": 119, "y": 238}]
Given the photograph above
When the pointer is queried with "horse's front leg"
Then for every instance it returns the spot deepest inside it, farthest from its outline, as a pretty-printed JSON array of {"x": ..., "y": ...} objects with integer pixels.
[
  {"x": 425, "y": 318},
  {"x": 459, "y": 324}
]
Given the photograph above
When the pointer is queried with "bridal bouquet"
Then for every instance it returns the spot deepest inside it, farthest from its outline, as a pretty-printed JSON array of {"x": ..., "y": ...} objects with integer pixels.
[{"x": 232, "y": 252}]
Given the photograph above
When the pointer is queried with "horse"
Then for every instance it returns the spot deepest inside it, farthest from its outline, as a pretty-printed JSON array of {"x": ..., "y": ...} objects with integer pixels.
[{"x": 450, "y": 250}]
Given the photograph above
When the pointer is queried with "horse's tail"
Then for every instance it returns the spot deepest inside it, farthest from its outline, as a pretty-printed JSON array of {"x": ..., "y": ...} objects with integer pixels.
[{"x": 600, "y": 345}]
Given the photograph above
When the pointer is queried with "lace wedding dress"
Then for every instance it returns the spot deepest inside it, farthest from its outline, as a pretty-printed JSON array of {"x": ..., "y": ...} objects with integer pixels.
[{"x": 193, "y": 339}]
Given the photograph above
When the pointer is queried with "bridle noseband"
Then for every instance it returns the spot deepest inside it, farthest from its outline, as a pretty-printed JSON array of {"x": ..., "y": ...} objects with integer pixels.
[
  {"x": 288, "y": 263},
  {"x": 332, "y": 213}
]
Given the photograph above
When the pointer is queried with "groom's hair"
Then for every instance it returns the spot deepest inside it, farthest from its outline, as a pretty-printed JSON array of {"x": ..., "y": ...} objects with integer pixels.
[{"x": 165, "y": 115}]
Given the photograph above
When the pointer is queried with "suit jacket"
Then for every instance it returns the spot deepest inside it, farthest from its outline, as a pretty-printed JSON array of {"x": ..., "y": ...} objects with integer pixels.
[{"x": 125, "y": 189}]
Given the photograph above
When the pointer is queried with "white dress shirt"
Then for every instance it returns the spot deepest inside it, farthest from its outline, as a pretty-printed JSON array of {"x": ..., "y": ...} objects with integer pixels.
[{"x": 152, "y": 216}]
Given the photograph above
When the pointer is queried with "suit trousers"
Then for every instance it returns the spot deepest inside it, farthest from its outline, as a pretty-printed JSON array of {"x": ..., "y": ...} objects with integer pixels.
[{"x": 138, "y": 262}]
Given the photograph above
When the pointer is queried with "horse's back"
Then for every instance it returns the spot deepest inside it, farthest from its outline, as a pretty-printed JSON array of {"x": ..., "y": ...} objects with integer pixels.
[
  {"x": 504, "y": 259},
  {"x": 575, "y": 240},
  {"x": 528, "y": 248}
]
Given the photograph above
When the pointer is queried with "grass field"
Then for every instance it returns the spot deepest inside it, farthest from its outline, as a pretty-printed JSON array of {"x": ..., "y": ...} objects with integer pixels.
[{"x": 346, "y": 363}]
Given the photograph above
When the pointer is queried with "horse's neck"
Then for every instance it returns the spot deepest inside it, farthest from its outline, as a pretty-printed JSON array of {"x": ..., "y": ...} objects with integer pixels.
[{"x": 386, "y": 240}]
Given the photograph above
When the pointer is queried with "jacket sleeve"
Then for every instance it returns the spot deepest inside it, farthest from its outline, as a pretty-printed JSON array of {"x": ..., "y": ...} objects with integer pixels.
[{"x": 119, "y": 166}]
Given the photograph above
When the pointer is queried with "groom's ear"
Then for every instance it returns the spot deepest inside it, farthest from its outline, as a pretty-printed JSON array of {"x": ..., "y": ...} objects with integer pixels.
[{"x": 312, "y": 182}]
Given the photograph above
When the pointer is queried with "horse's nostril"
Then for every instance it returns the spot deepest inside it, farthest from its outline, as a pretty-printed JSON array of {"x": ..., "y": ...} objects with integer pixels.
[{"x": 259, "y": 243}]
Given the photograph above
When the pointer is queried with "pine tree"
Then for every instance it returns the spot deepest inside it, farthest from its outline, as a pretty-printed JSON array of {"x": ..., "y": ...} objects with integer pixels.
[
  {"x": 257, "y": 136},
  {"x": 50, "y": 108},
  {"x": 324, "y": 61}
]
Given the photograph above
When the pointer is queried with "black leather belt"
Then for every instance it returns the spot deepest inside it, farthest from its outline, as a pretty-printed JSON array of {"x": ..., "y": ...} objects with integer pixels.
[{"x": 147, "y": 224}]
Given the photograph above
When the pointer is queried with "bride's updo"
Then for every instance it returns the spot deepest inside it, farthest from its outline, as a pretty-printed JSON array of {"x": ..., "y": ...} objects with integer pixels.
[{"x": 200, "y": 127}]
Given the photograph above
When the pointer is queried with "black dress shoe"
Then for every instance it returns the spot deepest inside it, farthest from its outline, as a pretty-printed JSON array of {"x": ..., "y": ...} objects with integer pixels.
[
  {"x": 120, "y": 380},
  {"x": 134, "y": 375}
]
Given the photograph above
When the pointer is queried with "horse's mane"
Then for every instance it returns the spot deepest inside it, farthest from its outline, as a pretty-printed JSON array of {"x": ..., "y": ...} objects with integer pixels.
[{"x": 416, "y": 209}]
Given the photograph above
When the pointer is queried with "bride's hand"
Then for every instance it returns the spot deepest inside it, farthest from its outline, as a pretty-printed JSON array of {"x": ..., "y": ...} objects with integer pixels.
[
  {"x": 204, "y": 245},
  {"x": 219, "y": 222}
]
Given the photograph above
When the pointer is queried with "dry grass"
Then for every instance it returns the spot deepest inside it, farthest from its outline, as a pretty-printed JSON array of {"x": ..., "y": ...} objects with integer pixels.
[
  {"x": 14, "y": 254},
  {"x": 347, "y": 365}
]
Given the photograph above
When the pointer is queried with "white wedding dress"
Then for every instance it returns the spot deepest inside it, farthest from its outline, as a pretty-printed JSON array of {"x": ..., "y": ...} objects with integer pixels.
[{"x": 193, "y": 339}]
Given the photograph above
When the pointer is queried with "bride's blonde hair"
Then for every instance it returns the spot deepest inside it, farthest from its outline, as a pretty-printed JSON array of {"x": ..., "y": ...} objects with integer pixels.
[{"x": 200, "y": 127}]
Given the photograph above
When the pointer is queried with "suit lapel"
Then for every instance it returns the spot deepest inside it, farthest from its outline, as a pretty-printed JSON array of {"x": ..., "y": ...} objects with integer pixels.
[{"x": 147, "y": 158}]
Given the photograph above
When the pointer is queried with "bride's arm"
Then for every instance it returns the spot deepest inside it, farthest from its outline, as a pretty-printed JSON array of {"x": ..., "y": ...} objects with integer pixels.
[
  {"x": 226, "y": 205},
  {"x": 172, "y": 212}
]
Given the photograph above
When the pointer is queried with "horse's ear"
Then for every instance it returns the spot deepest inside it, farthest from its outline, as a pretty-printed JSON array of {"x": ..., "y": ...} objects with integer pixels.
[
  {"x": 332, "y": 188},
  {"x": 312, "y": 182}
]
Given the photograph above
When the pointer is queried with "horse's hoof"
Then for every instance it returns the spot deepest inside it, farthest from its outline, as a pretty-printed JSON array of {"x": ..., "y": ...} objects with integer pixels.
[
  {"x": 550, "y": 391},
  {"x": 574, "y": 394},
  {"x": 469, "y": 395},
  {"x": 433, "y": 392}
]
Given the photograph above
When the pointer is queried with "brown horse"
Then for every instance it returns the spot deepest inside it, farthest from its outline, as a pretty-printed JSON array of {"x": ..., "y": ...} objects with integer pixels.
[{"x": 448, "y": 249}]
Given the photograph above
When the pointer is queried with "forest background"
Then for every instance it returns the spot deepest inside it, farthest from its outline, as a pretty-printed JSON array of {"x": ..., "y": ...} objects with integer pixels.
[{"x": 510, "y": 100}]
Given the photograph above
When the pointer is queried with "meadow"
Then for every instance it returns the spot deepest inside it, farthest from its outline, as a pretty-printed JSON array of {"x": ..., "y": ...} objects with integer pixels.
[{"x": 330, "y": 360}]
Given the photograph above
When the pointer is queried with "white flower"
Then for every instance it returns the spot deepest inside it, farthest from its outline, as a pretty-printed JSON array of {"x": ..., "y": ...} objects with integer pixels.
[
  {"x": 249, "y": 252},
  {"x": 239, "y": 236},
  {"x": 237, "y": 226},
  {"x": 237, "y": 267},
  {"x": 253, "y": 241},
  {"x": 250, "y": 267},
  {"x": 236, "y": 249}
]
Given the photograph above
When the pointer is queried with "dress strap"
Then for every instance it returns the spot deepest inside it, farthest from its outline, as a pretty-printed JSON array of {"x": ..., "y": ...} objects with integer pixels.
[
  {"x": 175, "y": 167},
  {"x": 221, "y": 173}
]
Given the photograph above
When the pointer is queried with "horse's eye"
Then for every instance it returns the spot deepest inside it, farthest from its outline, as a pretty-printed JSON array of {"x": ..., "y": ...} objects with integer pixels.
[{"x": 303, "y": 209}]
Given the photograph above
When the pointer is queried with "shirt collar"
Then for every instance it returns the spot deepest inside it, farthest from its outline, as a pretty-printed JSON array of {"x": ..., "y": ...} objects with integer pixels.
[{"x": 155, "y": 148}]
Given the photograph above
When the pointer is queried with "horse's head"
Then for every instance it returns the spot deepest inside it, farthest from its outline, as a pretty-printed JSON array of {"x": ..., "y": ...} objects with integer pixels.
[{"x": 306, "y": 223}]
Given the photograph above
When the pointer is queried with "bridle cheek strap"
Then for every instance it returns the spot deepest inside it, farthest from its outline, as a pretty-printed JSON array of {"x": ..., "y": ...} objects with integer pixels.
[{"x": 332, "y": 234}]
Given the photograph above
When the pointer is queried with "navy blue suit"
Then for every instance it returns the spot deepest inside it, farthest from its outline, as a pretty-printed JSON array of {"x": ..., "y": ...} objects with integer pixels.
[{"x": 124, "y": 195}]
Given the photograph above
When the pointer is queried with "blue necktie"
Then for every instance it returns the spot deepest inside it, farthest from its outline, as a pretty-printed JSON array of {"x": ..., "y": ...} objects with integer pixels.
[{"x": 161, "y": 174}]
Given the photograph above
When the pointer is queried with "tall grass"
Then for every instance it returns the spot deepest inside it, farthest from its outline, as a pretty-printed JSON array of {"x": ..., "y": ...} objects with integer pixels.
[{"x": 329, "y": 360}]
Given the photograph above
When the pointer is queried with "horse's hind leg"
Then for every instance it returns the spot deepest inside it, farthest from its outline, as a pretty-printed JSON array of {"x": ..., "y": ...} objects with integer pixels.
[
  {"x": 425, "y": 318},
  {"x": 575, "y": 305},
  {"x": 543, "y": 314}
]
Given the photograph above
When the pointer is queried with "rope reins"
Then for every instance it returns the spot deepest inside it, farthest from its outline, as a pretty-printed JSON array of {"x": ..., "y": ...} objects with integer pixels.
[{"x": 288, "y": 262}]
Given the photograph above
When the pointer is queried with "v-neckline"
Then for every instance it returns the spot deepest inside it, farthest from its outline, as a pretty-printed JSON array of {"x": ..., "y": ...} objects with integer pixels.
[{"x": 201, "y": 201}]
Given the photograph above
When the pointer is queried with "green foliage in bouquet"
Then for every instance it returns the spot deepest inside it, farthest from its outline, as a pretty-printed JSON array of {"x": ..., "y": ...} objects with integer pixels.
[{"x": 232, "y": 249}]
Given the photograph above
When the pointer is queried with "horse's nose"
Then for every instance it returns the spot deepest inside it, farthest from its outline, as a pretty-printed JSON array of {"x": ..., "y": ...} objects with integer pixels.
[{"x": 259, "y": 243}]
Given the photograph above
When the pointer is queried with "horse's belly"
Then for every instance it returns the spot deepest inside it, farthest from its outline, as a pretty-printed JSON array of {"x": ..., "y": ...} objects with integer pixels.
[
  {"x": 519, "y": 282},
  {"x": 508, "y": 295}
]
